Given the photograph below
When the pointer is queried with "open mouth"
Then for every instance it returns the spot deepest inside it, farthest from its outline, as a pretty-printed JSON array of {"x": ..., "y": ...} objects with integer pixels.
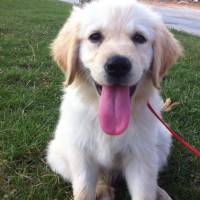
[
  {"x": 114, "y": 107},
  {"x": 131, "y": 89}
]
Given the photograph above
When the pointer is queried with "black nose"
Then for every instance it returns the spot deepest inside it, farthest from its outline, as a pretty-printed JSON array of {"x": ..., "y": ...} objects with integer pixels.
[{"x": 117, "y": 66}]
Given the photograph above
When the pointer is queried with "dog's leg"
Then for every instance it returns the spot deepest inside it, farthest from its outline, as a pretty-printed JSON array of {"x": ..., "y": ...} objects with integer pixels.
[
  {"x": 57, "y": 159},
  {"x": 84, "y": 174},
  {"x": 141, "y": 177}
]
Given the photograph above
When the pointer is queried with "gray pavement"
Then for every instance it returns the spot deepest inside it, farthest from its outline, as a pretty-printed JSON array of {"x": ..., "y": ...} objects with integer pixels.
[
  {"x": 179, "y": 18},
  {"x": 71, "y": 1}
]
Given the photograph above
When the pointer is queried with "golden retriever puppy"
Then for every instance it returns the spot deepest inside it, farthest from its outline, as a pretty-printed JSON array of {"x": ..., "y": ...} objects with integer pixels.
[{"x": 114, "y": 55}]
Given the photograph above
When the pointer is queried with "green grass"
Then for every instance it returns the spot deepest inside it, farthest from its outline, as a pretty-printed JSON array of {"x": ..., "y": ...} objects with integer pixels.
[{"x": 30, "y": 86}]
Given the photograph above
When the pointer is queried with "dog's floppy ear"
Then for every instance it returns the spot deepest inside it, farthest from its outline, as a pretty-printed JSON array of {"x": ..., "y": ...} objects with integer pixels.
[
  {"x": 65, "y": 48},
  {"x": 166, "y": 51}
]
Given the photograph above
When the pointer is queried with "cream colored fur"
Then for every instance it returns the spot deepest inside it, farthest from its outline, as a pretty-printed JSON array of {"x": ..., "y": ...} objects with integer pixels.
[{"x": 80, "y": 150}]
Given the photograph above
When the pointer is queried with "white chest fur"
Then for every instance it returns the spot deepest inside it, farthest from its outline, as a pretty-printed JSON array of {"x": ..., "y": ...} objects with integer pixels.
[{"x": 78, "y": 128}]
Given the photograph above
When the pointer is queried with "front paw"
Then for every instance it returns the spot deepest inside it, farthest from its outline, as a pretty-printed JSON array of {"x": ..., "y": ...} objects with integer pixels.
[
  {"x": 104, "y": 192},
  {"x": 162, "y": 194}
]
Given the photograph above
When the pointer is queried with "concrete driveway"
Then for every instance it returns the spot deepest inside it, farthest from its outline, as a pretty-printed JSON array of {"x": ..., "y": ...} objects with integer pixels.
[
  {"x": 71, "y": 1},
  {"x": 179, "y": 18}
]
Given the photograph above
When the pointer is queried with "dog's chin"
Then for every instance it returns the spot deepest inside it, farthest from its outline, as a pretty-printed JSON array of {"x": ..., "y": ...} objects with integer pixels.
[{"x": 132, "y": 88}]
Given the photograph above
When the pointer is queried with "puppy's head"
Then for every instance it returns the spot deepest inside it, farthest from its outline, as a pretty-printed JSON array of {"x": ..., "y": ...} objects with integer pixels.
[{"x": 116, "y": 45}]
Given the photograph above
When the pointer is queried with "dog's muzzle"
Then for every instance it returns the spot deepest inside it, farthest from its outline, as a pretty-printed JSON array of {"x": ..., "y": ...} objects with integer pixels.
[{"x": 115, "y": 97}]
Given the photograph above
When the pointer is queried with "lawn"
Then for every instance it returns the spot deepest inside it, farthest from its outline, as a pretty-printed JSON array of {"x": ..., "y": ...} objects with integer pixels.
[{"x": 30, "y": 91}]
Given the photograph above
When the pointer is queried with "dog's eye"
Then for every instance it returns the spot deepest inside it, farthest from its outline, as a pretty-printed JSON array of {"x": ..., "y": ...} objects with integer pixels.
[
  {"x": 96, "y": 37},
  {"x": 138, "y": 38}
]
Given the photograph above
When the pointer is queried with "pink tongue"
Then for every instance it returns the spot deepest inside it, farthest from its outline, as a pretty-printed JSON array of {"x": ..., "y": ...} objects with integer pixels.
[{"x": 114, "y": 109}]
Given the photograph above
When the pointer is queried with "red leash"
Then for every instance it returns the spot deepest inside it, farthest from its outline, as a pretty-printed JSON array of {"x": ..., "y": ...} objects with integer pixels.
[{"x": 176, "y": 135}]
